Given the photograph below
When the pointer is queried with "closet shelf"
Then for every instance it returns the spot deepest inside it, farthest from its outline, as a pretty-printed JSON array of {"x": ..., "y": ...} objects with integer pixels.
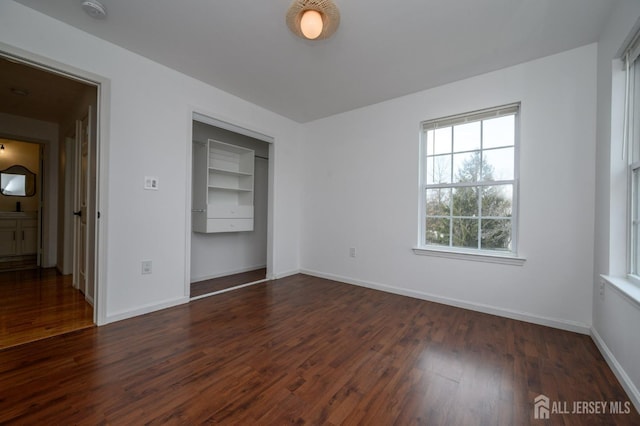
[
  {"x": 223, "y": 185},
  {"x": 229, "y": 172},
  {"x": 227, "y": 188}
]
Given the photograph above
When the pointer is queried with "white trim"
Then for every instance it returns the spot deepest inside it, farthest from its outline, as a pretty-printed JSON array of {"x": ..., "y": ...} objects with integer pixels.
[
  {"x": 625, "y": 287},
  {"x": 122, "y": 315},
  {"x": 206, "y": 119},
  {"x": 574, "y": 326},
  {"x": 188, "y": 146},
  {"x": 505, "y": 259},
  {"x": 285, "y": 274},
  {"x": 630, "y": 388},
  {"x": 224, "y": 274}
]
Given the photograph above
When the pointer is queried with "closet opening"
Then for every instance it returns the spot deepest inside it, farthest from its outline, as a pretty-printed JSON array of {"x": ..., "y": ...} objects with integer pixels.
[{"x": 229, "y": 207}]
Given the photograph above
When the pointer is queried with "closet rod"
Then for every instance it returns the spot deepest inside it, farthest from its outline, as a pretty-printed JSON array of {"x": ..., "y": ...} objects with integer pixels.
[{"x": 264, "y": 158}]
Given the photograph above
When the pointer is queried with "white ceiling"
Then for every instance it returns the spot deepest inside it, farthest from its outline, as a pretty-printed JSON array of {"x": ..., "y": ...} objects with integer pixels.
[{"x": 382, "y": 49}]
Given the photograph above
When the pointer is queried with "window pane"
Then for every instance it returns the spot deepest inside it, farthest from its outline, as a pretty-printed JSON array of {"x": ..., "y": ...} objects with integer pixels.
[
  {"x": 465, "y": 202},
  {"x": 438, "y": 169},
  {"x": 465, "y": 233},
  {"x": 634, "y": 120},
  {"x": 437, "y": 231},
  {"x": 442, "y": 141},
  {"x": 439, "y": 202},
  {"x": 496, "y": 234},
  {"x": 466, "y": 137},
  {"x": 498, "y": 164},
  {"x": 498, "y": 132},
  {"x": 635, "y": 226},
  {"x": 497, "y": 200},
  {"x": 466, "y": 167},
  {"x": 430, "y": 142}
]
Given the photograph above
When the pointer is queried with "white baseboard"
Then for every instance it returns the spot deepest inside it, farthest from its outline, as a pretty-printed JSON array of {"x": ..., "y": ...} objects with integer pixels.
[
  {"x": 119, "y": 316},
  {"x": 224, "y": 274},
  {"x": 621, "y": 375},
  {"x": 285, "y": 274},
  {"x": 479, "y": 307}
]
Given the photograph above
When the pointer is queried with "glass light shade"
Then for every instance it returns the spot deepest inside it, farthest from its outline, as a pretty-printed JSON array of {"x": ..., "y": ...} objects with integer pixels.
[{"x": 311, "y": 24}]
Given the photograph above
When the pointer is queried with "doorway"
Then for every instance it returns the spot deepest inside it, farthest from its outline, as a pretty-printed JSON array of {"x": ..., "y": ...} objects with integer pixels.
[
  {"x": 58, "y": 109},
  {"x": 21, "y": 181},
  {"x": 229, "y": 207}
]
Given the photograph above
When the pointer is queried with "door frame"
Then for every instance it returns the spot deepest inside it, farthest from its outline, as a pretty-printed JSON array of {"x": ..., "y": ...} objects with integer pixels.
[
  {"x": 101, "y": 145},
  {"x": 197, "y": 114}
]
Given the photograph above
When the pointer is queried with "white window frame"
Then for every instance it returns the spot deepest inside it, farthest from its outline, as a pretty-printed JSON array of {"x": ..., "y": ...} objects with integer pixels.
[
  {"x": 476, "y": 254},
  {"x": 631, "y": 149}
]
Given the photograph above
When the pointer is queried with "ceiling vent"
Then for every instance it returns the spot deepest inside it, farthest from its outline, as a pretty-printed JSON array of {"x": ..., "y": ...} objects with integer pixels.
[{"x": 94, "y": 8}]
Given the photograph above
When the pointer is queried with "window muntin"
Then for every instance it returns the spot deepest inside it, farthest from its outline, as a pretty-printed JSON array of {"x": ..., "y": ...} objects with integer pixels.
[{"x": 469, "y": 184}]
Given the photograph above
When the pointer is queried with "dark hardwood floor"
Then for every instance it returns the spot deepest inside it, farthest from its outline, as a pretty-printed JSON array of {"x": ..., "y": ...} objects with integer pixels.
[
  {"x": 39, "y": 303},
  {"x": 304, "y": 350},
  {"x": 201, "y": 288}
]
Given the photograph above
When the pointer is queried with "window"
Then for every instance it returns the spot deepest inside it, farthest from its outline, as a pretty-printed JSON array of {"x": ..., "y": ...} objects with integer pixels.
[
  {"x": 469, "y": 182},
  {"x": 631, "y": 144}
]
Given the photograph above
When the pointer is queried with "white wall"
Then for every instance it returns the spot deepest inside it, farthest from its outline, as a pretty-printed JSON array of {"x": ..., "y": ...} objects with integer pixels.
[
  {"x": 218, "y": 254},
  {"x": 148, "y": 134},
  {"x": 615, "y": 316},
  {"x": 361, "y": 190},
  {"x": 47, "y": 134}
]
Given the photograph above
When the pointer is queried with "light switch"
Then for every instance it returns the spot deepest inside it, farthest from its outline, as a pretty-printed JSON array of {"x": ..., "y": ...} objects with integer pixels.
[{"x": 151, "y": 182}]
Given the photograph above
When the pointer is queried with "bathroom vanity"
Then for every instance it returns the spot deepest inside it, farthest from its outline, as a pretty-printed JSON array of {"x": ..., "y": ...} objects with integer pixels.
[{"x": 18, "y": 234}]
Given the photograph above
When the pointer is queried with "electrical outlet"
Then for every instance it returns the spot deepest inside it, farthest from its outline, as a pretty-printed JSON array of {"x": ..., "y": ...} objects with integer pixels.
[
  {"x": 352, "y": 252},
  {"x": 146, "y": 267},
  {"x": 601, "y": 287}
]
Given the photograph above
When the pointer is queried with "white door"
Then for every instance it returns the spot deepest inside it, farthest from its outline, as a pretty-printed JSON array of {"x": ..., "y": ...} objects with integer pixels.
[{"x": 81, "y": 200}]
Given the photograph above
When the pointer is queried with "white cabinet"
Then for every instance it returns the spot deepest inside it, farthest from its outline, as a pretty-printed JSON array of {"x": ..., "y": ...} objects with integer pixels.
[
  {"x": 223, "y": 180},
  {"x": 8, "y": 228},
  {"x": 18, "y": 235},
  {"x": 28, "y": 236}
]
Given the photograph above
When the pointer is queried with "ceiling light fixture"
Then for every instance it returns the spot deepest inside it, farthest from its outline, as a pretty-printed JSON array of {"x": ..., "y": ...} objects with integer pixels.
[
  {"x": 1, "y": 147},
  {"x": 94, "y": 8},
  {"x": 313, "y": 19}
]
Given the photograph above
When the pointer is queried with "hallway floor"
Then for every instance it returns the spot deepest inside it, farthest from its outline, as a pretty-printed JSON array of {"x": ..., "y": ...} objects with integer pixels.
[{"x": 39, "y": 303}]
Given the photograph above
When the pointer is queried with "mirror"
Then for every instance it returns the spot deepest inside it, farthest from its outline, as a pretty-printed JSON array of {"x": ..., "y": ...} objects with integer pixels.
[{"x": 17, "y": 181}]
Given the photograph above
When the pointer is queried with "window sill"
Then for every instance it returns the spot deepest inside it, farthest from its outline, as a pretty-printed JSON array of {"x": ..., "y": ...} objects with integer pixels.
[
  {"x": 625, "y": 286},
  {"x": 505, "y": 259}
]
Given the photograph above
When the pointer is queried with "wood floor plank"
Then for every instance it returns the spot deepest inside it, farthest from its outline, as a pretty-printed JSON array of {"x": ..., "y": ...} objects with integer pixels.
[
  {"x": 203, "y": 287},
  {"x": 39, "y": 303},
  {"x": 304, "y": 350}
]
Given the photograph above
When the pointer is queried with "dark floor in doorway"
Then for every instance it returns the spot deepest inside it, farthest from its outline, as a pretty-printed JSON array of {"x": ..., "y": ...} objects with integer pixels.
[{"x": 222, "y": 283}]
